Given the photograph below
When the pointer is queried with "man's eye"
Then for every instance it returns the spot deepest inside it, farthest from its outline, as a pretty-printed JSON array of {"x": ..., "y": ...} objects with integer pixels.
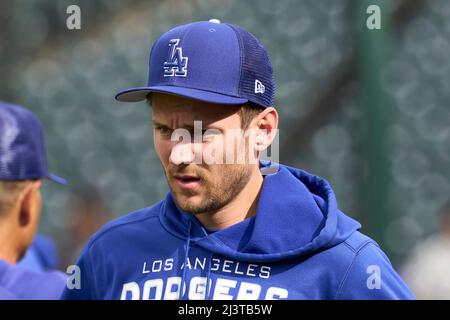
[
  {"x": 207, "y": 135},
  {"x": 164, "y": 131},
  {"x": 210, "y": 134}
]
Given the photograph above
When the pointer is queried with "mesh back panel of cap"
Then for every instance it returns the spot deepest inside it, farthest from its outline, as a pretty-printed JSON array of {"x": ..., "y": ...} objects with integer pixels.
[
  {"x": 22, "y": 148},
  {"x": 255, "y": 65}
]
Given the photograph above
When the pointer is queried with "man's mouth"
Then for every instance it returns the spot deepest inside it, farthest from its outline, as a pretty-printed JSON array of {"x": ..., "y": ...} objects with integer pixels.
[{"x": 187, "y": 181}]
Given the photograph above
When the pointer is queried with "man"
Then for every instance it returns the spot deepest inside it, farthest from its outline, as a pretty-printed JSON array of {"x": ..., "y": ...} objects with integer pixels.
[
  {"x": 22, "y": 168},
  {"x": 229, "y": 228}
]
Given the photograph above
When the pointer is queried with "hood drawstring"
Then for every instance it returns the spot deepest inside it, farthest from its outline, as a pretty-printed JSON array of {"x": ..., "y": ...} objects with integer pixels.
[
  {"x": 208, "y": 271},
  {"x": 186, "y": 257},
  {"x": 208, "y": 276}
]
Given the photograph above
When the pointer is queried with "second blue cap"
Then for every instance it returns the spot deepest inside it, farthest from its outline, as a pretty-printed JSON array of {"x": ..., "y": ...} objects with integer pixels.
[{"x": 22, "y": 146}]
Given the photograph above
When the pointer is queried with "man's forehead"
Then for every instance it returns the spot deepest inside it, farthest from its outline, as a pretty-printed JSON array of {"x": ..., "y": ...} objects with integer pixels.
[{"x": 166, "y": 106}]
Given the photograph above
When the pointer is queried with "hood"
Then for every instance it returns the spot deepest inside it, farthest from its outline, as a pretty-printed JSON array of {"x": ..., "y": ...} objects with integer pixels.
[{"x": 296, "y": 215}]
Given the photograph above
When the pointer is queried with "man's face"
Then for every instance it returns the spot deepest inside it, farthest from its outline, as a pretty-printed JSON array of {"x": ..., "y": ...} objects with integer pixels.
[{"x": 198, "y": 184}]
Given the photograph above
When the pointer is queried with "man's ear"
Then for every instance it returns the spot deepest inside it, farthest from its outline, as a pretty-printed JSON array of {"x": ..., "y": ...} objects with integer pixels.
[
  {"x": 267, "y": 124},
  {"x": 28, "y": 202}
]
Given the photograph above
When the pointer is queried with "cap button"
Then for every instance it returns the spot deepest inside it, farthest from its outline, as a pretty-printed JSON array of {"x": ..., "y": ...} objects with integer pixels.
[{"x": 214, "y": 20}]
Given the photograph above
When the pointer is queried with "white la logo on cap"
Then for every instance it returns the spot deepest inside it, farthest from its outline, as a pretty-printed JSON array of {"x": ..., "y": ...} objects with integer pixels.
[
  {"x": 259, "y": 87},
  {"x": 177, "y": 64}
]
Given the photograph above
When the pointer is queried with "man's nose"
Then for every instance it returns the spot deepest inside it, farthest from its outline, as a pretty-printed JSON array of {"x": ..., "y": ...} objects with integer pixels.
[{"x": 182, "y": 153}]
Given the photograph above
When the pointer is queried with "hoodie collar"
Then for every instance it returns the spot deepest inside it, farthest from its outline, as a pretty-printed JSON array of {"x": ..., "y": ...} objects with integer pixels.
[{"x": 296, "y": 215}]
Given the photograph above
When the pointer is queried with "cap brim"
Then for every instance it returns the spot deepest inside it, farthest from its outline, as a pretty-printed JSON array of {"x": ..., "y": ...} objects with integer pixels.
[
  {"x": 57, "y": 179},
  {"x": 139, "y": 94}
]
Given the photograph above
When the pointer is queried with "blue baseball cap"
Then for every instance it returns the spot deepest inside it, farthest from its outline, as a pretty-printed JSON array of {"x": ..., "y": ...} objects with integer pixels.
[
  {"x": 22, "y": 146},
  {"x": 209, "y": 61}
]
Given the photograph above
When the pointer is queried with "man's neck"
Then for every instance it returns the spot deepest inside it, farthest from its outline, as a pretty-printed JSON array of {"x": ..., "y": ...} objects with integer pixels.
[
  {"x": 8, "y": 252},
  {"x": 241, "y": 208}
]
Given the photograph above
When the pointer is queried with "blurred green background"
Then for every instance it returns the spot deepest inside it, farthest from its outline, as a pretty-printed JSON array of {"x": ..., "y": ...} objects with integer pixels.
[{"x": 365, "y": 109}]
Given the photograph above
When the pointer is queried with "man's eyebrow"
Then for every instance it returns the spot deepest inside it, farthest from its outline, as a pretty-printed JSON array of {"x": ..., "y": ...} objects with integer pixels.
[
  {"x": 158, "y": 124},
  {"x": 185, "y": 126}
]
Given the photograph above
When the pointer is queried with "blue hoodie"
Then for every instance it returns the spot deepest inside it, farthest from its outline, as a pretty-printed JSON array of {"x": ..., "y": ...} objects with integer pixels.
[
  {"x": 297, "y": 246},
  {"x": 18, "y": 283}
]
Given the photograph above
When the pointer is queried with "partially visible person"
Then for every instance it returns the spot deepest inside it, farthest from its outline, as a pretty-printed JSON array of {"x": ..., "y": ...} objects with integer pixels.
[
  {"x": 23, "y": 167},
  {"x": 427, "y": 269}
]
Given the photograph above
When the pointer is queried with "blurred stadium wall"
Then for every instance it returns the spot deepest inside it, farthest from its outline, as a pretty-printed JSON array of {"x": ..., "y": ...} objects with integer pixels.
[{"x": 324, "y": 97}]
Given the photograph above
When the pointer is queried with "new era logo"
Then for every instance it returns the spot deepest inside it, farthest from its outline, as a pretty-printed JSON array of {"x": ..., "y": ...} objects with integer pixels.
[
  {"x": 176, "y": 66},
  {"x": 259, "y": 87}
]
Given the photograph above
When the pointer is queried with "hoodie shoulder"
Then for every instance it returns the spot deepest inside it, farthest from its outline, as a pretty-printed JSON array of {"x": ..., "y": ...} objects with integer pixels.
[
  {"x": 20, "y": 283},
  {"x": 91, "y": 262},
  {"x": 370, "y": 274},
  {"x": 357, "y": 241},
  {"x": 120, "y": 225}
]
